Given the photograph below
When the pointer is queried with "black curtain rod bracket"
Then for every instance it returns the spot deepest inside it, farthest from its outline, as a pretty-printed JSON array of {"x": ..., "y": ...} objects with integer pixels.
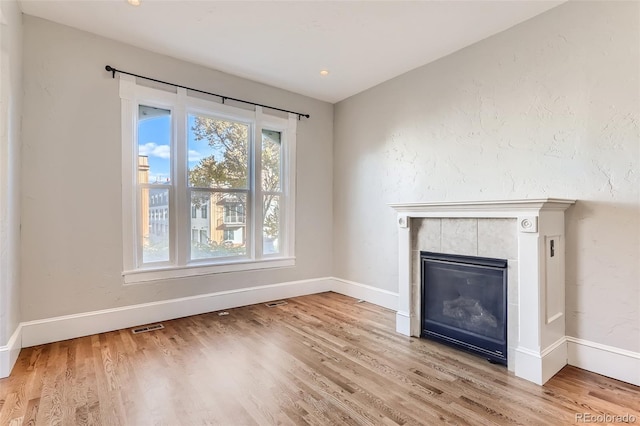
[{"x": 113, "y": 72}]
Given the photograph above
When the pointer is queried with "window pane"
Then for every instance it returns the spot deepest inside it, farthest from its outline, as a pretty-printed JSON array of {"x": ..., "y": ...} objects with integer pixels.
[
  {"x": 154, "y": 224},
  {"x": 218, "y": 153},
  {"x": 271, "y": 226},
  {"x": 222, "y": 232},
  {"x": 154, "y": 144},
  {"x": 271, "y": 157}
]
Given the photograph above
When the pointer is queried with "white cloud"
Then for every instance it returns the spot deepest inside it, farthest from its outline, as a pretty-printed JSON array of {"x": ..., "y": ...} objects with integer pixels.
[
  {"x": 158, "y": 178},
  {"x": 194, "y": 156},
  {"x": 152, "y": 149}
]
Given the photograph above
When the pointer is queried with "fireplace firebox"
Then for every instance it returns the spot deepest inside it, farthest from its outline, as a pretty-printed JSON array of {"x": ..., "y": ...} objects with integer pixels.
[{"x": 464, "y": 303}]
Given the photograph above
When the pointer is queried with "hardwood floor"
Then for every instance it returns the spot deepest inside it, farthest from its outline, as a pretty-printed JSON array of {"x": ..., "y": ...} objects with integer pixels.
[{"x": 319, "y": 360}]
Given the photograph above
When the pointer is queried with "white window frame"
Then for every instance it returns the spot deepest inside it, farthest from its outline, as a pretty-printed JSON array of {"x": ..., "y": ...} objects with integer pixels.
[{"x": 181, "y": 104}]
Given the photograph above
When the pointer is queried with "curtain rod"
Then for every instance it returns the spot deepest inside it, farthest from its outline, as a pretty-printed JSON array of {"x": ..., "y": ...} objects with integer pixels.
[{"x": 113, "y": 72}]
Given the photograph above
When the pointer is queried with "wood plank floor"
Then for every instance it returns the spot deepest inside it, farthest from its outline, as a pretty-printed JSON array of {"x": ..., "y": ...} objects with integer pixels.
[{"x": 319, "y": 360}]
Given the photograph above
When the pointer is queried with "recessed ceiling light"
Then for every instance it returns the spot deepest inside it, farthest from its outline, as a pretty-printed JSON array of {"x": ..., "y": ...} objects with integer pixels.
[
  {"x": 324, "y": 73},
  {"x": 134, "y": 2}
]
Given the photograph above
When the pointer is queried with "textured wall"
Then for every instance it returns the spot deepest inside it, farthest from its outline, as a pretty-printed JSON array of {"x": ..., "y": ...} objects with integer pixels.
[
  {"x": 72, "y": 230},
  {"x": 548, "y": 108},
  {"x": 10, "y": 109}
]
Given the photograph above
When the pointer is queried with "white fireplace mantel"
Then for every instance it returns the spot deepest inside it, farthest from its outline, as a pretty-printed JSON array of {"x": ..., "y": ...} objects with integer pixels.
[{"x": 541, "y": 349}]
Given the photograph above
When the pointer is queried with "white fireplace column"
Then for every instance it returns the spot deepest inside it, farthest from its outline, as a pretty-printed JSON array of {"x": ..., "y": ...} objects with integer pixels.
[{"x": 541, "y": 347}]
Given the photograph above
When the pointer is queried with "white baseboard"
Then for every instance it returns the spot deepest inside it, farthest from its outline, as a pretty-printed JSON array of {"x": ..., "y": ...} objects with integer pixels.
[
  {"x": 527, "y": 365},
  {"x": 377, "y": 296},
  {"x": 554, "y": 358},
  {"x": 609, "y": 361},
  {"x": 539, "y": 367},
  {"x": 71, "y": 326},
  {"x": 403, "y": 323},
  {"x": 9, "y": 352}
]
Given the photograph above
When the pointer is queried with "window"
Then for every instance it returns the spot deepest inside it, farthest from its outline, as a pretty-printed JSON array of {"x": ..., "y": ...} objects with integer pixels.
[
  {"x": 186, "y": 154},
  {"x": 230, "y": 235},
  {"x": 233, "y": 210}
]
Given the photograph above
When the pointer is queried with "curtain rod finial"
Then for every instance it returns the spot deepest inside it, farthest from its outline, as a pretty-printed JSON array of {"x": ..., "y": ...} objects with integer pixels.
[{"x": 111, "y": 70}]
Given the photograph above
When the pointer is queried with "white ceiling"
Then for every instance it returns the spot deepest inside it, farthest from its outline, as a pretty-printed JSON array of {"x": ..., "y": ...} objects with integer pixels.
[{"x": 286, "y": 43}]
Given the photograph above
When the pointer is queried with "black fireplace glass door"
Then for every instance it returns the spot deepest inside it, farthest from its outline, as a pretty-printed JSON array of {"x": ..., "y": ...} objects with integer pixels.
[{"x": 465, "y": 303}]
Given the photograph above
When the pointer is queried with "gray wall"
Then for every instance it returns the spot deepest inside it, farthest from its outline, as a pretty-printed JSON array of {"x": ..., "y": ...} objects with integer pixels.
[
  {"x": 10, "y": 109},
  {"x": 72, "y": 230},
  {"x": 548, "y": 108}
]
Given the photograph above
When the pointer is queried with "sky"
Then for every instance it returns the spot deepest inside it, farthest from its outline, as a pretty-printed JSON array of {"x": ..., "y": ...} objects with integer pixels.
[{"x": 154, "y": 138}]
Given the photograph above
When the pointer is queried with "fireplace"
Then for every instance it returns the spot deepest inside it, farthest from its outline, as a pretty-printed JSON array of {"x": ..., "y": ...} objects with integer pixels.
[
  {"x": 530, "y": 234},
  {"x": 464, "y": 302}
]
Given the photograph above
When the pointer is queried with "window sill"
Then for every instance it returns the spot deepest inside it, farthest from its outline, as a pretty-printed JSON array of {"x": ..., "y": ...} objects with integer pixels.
[{"x": 145, "y": 275}]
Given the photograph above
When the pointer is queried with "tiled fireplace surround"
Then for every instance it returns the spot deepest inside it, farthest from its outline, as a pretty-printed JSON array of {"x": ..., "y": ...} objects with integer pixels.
[{"x": 519, "y": 231}]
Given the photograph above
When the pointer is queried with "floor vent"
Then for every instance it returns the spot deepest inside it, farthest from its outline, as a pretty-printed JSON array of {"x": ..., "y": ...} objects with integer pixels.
[
  {"x": 147, "y": 328},
  {"x": 276, "y": 303}
]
